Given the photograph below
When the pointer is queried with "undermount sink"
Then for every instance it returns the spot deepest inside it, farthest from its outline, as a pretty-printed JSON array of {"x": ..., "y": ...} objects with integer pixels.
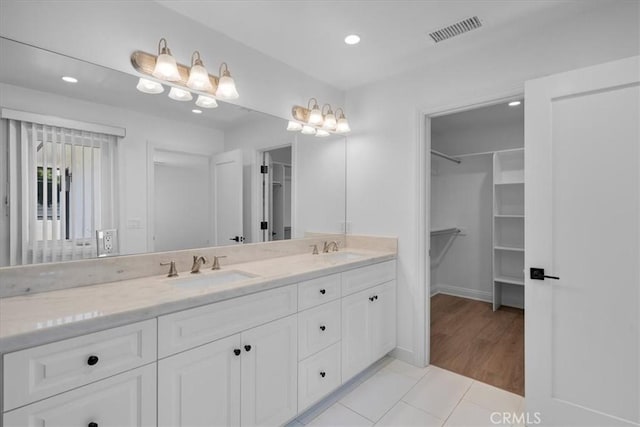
[
  {"x": 203, "y": 280},
  {"x": 342, "y": 256}
]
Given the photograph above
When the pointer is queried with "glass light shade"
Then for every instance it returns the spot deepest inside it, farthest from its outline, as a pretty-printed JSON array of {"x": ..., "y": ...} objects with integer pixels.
[
  {"x": 308, "y": 130},
  {"x": 199, "y": 79},
  {"x": 315, "y": 117},
  {"x": 206, "y": 102},
  {"x": 294, "y": 126},
  {"x": 330, "y": 121},
  {"x": 149, "y": 86},
  {"x": 322, "y": 133},
  {"x": 166, "y": 68},
  {"x": 343, "y": 125},
  {"x": 227, "y": 88},
  {"x": 180, "y": 95}
]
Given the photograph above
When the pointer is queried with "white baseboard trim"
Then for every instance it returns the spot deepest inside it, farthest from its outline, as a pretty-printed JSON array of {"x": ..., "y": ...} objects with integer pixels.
[
  {"x": 457, "y": 291},
  {"x": 404, "y": 355}
]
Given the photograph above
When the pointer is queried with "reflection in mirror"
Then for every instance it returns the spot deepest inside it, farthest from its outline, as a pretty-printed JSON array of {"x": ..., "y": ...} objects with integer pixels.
[{"x": 97, "y": 168}]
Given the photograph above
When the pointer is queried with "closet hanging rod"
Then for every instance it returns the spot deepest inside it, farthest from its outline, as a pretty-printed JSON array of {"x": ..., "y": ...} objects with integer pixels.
[{"x": 444, "y": 156}]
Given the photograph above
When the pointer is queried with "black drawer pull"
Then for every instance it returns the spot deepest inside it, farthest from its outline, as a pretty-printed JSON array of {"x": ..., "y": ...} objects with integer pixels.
[
  {"x": 323, "y": 374},
  {"x": 323, "y": 291},
  {"x": 375, "y": 297},
  {"x": 371, "y": 299},
  {"x": 247, "y": 347},
  {"x": 92, "y": 360},
  {"x": 92, "y": 424},
  {"x": 236, "y": 351},
  {"x": 322, "y": 328}
]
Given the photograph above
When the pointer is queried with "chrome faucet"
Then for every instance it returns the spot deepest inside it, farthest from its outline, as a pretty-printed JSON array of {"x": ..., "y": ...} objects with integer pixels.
[
  {"x": 328, "y": 245},
  {"x": 198, "y": 261},
  {"x": 216, "y": 262},
  {"x": 172, "y": 268}
]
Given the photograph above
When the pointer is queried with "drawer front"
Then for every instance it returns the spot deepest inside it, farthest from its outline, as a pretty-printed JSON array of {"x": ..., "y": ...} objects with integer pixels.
[
  {"x": 40, "y": 372},
  {"x": 367, "y": 277},
  {"x": 127, "y": 399},
  {"x": 318, "y": 291},
  {"x": 318, "y": 328},
  {"x": 190, "y": 328},
  {"x": 312, "y": 384}
]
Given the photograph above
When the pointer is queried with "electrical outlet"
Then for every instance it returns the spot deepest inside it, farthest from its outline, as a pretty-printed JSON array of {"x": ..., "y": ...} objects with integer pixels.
[{"x": 107, "y": 242}]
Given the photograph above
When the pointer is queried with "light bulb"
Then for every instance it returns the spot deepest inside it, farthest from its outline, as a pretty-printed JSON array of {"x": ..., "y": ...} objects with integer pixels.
[
  {"x": 329, "y": 121},
  {"x": 322, "y": 133},
  {"x": 166, "y": 67},
  {"x": 343, "y": 125},
  {"x": 198, "y": 75},
  {"x": 149, "y": 86},
  {"x": 206, "y": 102},
  {"x": 294, "y": 126},
  {"x": 315, "y": 116},
  {"x": 308, "y": 130},
  {"x": 180, "y": 95},
  {"x": 226, "y": 85}
]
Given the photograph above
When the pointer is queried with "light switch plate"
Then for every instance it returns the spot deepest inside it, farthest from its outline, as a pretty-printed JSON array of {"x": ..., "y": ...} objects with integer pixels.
[{"x": 107, "y": 242}]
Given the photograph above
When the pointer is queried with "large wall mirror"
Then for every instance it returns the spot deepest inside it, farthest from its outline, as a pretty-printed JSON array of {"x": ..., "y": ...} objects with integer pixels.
[{"x": 97, "y": 164}]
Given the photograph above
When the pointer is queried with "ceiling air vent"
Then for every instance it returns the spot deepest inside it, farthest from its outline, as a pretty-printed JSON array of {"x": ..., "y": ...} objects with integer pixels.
[{"x": 456, "y": 29}]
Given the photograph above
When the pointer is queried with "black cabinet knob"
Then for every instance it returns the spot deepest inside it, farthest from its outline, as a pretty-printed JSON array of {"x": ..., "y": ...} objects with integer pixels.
[
  {"x": 375, "y": 297},
  {"x": 323, "y": 291},
  {"x": 247, "y": 347},
  {"x": 236, "y": 351},
  {"x": 322, "y": 327},
  {"x": 371, "y": 299},
  {"x": 92, "y": 360},
  {"x": 92, "y": 424},
  {"x": 323, "y": 374}
]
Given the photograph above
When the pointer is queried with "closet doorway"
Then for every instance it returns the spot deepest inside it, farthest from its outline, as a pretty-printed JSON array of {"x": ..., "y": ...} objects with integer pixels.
[{"x": 477, "y": 244}]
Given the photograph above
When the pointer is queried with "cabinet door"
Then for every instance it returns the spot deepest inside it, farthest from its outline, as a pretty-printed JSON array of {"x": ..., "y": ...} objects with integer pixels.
[
  {"x": 355, "y": 333},
  {"x": 382, "y": 320},
  {"x": 269, "y": 384},
  {"x": 124, "y": 400},
  {"x": 201, "y": 387}
]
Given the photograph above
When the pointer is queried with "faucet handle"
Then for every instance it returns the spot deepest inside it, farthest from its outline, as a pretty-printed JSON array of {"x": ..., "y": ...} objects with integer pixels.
[
  {"x": 172, "y": 269},
  {"x": 315, "y": 249},
  {"x": 216, "y": 261}
]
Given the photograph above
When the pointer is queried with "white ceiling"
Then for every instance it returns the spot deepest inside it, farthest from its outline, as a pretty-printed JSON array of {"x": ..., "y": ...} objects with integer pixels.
[
  {"x": 308, "y": 35},
  {"x": 492, "y": 116}
]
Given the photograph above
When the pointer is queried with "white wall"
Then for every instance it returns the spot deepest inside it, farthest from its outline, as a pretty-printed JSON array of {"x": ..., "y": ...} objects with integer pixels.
[
  {"x": 480, "y": 139},
  {"x": 107, "y": 32},
  {"x": 132, "y": 149},
  {"x": 383, "y": 160}
]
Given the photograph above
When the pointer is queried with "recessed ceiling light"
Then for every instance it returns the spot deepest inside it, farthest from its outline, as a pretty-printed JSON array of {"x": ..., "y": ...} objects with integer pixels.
[
  {"x": 69, "y": 79},
  {"x": 514, "y": 103},
  {"x": 196, "y": 111},
  {"x": 352, "y": 39}
]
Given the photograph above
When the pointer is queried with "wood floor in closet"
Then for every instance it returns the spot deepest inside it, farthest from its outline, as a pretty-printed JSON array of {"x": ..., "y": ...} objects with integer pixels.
[{"x": 468, "y": 338}]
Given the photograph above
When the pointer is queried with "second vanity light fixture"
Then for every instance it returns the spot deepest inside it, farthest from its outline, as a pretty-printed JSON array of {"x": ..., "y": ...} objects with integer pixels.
[
  {"x": 183, "y": 80},
  {"x": 317, "y": 121}
]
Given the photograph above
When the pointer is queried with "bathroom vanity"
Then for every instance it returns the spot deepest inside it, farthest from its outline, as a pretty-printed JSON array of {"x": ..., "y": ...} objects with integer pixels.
[{"x": 256, "y": 351}]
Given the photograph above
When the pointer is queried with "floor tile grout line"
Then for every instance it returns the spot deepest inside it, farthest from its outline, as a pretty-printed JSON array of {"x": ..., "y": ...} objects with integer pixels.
[
  {"x": 356, "y": 412},
  {"x": 459, "y": 400}
]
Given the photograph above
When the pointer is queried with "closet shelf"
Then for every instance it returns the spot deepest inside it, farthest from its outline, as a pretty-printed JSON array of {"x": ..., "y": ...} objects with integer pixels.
[
  {"x": 508, "y": 216},
  {"x": 510, "y": 280},
  {"x": 510, "y": 183},
  {"x": 442, "y": 231},
  {"x": 508, "y": 248}
]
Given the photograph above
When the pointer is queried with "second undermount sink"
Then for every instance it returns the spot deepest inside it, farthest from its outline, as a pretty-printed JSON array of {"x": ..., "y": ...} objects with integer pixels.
[
  {"x": 203, "y": 280},
  {"x": 342, "y": 256}
]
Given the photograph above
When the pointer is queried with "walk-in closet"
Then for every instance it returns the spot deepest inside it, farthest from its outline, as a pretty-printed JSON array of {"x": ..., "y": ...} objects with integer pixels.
[{"x": 477, "y": 244}]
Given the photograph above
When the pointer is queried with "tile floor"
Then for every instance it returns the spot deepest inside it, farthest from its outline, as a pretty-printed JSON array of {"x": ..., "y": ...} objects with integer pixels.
[{"x": 399, "y": 395}]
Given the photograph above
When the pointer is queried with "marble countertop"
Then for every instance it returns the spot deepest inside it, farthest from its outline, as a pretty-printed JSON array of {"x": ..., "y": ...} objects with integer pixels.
[{"x": 31, "y": 320}]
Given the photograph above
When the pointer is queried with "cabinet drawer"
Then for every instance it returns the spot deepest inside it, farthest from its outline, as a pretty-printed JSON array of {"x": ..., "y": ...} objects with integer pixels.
[
  {"x": 318, "y": 376},
  {"x": 318, "y": 291},
  {"x": 40, "y": 372},
  {"x": 366, "y": 277},
  {"x": 125, "y": 400},
  {"x": 318, "y": 328},
  {"x": 190, "y": 328}
]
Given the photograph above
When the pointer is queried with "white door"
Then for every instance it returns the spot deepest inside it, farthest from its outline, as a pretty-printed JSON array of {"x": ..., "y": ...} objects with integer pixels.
[
  {"x": 201, "y": 387},
  {"x": 269, "y": 373},
  {"x": 227, "y": 197},
  {"x": 382, "y": 315},
  {"x": 356, "y": 332},
  {"x": 582, "y": 209}
]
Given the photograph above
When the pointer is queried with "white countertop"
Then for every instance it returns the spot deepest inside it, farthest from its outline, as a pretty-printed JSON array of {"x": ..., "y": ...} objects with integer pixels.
[{"x": 31, "y": 320}]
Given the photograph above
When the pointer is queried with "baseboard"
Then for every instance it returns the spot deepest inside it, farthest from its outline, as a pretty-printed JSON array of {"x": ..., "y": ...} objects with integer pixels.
[
  {"x": 403, "y": 354},
  {"x": 457, "y": 291}
]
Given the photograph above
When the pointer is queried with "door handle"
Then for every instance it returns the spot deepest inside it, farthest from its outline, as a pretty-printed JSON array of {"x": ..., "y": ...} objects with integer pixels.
[
  {"x": 538, "y": 274},
  {"x": 237, "y": 239}
]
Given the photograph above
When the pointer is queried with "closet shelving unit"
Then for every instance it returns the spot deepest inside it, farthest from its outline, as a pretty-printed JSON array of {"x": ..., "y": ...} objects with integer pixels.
[{"x": 508, "y": 223}]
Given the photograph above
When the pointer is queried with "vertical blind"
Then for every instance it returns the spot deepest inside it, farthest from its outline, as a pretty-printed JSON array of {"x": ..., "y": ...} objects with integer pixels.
[{"x": 62, "y": 185}]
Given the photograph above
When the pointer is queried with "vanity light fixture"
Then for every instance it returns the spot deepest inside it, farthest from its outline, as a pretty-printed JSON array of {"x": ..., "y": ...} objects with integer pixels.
[
  {"x": 206, "y": 102},
  {"x": 343, "y": 125},
  {"x": 322, "y": 133},
  {"x": 198, "y": 75},
  {"x": 149, "y": 86},
  {"x": 166, "y": 67},
  {"x": 329, "y": 118},
  {"x": 313, "y": 117},
  {"x": 180, "y": 95},
  {"x": 308, "y": 130},
  {"x": 226, "y": 85},
  {"x": 294, "y": 126},
  {"x": 315, "y": 114},
  {"x": 70, "y": 79}
]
